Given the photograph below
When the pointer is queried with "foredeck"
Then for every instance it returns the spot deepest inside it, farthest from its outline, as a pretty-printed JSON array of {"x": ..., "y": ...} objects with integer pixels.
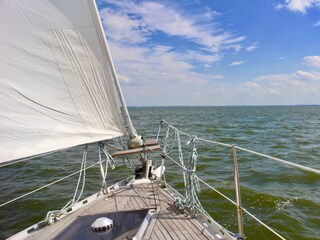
[{"x": 167, "y": 221}]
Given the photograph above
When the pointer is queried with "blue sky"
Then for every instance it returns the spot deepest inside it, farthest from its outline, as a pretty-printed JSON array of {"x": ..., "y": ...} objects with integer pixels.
[{"x": 218, "y": 52}]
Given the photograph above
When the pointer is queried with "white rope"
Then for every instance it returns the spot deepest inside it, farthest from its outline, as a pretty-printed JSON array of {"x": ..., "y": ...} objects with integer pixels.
[
  {"x": 119, "y": 146},
  {"x": 109, "y": 161},
  {"x": 159, "y": 130},
  {"x": 109, "y": 157},
  {"x": 165, "y": 144},
  {"x": 53, "y": 215},
  {"x": 191, "y": 183},
  {"x": 230, "y": 200},
  {"x": 262, "y": 223},
  {"x": 129, "y": 165},
  {"x": 193, "y": 186},
  {"x": 45, "y": 186},
  {"x": 282, "y": 161},
  {"x": 246, "y": 211},
  {"x": 217, "y": 191},
  {"x": 189, "y": 194},
  {"x": 167, "y": 156},
  {"x": 117, "y": 143},
  {"x": 309, "y": 169},
  {"x": 82, "y": 172},
  {"x": 6, "y": 164}
]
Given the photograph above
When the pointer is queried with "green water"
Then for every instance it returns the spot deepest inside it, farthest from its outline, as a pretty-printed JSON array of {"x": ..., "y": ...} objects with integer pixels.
[{"x": 286, "y": 199}]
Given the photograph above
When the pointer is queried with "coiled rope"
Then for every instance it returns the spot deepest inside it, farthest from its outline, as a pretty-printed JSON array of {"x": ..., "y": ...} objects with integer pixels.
[
  {"x": 192, "y": 186},
  {"x": 191, "y": 182}
]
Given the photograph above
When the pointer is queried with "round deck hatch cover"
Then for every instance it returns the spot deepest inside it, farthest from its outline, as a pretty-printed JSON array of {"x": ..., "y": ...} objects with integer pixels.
[{"x": 102, "y": 224}]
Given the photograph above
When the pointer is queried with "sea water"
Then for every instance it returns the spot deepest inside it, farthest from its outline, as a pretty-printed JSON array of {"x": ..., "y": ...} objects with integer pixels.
[{"x": 285, "y": 198}]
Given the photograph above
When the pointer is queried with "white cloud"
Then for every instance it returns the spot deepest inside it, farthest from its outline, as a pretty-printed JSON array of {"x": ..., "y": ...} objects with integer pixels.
[
  {"x": 279, "y": 6},
  {"x": 124, "y": 28},
  {"x": 160, "y": 76},
  {"x": 206, "y": 58},
  {"x": 236, "y": 63},
  {"x": 141, "y": 65},
  {"x": 301, "y": 76},
  {"x": 218, "y": 76},
  {"x": 250, "y": 87},
  {"x": 139, "y": 19},
  {"x": 299, "y": 5},
  {"x": 252, "y": 47},
  {"x": 299, "y": 87},
  {"x": 124, "y": 79},
  {"x": 312, "y": 61},
  {"x": 161, "y": 73},
  {"x": 153, "y": 73},
  {"x": 282, "y": 58},
  {"x": 317, "y": 24}
]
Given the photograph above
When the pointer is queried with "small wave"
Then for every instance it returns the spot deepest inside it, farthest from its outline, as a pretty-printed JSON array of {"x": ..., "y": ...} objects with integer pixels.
[
  {"x": 214, "y": 130},
  {"x": 279, "y": 146},
  {"x": 283, "y": 203}
]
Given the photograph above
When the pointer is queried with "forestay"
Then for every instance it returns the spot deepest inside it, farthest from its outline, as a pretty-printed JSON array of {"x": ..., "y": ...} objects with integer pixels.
[{"x": 56, "y": 85}]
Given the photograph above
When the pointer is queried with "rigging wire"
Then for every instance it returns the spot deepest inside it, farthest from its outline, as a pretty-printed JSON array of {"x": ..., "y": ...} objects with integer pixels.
[
  {"x": 119, "y": 146},
  {"x": 109, "y": 161},
  {"x": 191, "y": 182},
  {"x": 164, "y": 154},
  {"x": 309, "y": 169},
  {"x": 52, "y": 215},
  {"x": 48, "y": 185}
]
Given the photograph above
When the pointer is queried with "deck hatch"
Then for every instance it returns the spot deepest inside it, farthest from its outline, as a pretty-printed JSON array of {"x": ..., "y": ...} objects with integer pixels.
[{"x": 126, "y": 225}]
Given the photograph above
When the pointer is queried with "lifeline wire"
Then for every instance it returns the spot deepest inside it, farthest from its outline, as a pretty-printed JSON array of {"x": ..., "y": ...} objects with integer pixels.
[
  {"x": 194, "y": 154},
  {"x": 52, "y": 215},
  {"x": 191, "y": 182},
  {"x": 308, "y": 169},
  {"x": 48, "y": 185}
]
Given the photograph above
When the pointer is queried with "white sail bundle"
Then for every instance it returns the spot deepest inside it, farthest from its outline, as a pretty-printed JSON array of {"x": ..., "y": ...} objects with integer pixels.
[{"x": 56, "y": 84}]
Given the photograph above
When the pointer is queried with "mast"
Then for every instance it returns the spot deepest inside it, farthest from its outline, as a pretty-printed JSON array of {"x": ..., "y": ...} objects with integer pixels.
[{"x": 132, "y": 132}]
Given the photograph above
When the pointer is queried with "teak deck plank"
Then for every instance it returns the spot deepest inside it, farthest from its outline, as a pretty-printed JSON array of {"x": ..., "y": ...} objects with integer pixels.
[
  {"x": 149, "y": 146},
  {"x": 159, "y": 234},
  {"x": 150, "y": 142},
  {"x": 180, "y": 221},
  {"x": 137, "y": 150},
  {"x": 181, "y": 226},
  {"x": 167, "y": 222}
]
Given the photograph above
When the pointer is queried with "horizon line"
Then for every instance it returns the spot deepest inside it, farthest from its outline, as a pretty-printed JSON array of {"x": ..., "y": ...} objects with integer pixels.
[{"x": 271, "y": 105}]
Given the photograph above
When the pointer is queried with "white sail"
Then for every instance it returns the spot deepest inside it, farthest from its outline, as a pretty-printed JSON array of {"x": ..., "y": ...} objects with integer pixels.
[{"x": 56, "y": 85}]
